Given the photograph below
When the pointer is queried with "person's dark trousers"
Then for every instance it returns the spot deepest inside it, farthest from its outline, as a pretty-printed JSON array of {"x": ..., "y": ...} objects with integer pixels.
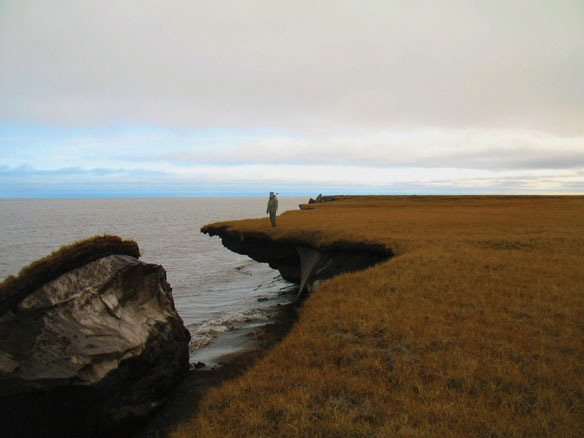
[{"x": 273, "y": 219}]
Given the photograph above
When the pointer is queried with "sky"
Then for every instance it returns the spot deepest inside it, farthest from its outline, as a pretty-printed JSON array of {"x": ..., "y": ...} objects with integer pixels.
[{"x": 210, "y": 98}]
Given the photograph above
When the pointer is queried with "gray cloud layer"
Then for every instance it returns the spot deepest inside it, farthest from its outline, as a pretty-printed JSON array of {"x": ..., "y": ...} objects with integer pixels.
[
  {"x": 26, "y": 181},
  {"x": 464, "y": 149},
  {"x": 295, "y": 65}
]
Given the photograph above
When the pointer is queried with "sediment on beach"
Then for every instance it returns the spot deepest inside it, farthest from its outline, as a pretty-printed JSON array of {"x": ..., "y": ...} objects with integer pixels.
[
  {"x": 187, "y": 396},
  {"x": 474, "y": 328}
]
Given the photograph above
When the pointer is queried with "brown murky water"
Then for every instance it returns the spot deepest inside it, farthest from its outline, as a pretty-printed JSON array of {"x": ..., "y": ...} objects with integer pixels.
[{"x": 219, "y": 294}]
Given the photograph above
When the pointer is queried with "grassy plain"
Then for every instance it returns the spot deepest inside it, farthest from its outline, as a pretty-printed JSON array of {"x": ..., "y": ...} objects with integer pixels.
[{"x": 475, "y": 328}]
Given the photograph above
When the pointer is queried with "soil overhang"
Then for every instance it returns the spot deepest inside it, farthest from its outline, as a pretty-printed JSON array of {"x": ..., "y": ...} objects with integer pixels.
[{"x": 300, "y": 261}]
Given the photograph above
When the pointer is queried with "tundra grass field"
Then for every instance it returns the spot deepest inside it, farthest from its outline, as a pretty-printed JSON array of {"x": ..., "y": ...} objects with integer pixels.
[{"x": 474, "y": 329}]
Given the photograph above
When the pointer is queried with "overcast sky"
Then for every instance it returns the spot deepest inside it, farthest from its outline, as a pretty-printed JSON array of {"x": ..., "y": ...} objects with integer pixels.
[{"x": 182, "y": 97}]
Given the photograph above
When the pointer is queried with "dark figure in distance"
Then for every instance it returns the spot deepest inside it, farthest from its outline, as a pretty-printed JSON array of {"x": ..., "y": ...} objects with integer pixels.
[{"x": 272, "y": 208}]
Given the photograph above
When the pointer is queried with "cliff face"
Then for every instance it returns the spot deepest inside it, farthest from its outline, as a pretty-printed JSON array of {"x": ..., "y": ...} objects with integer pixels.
[
  {"x": 89, "y": 350},
  {"x": 298, "y": 261}
]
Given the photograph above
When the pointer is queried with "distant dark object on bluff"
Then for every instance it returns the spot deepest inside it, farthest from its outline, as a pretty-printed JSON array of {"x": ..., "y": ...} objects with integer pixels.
[
  {"x": 89, "y": 339},
  {"x": 319, "y": 199}
]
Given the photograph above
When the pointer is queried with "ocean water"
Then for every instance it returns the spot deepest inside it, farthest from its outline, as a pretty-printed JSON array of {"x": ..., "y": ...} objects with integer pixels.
[{"x": 215, "y": 290}]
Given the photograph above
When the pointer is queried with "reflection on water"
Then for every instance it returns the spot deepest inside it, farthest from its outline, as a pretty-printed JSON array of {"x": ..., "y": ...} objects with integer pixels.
[{"x": 215, "y": 290}]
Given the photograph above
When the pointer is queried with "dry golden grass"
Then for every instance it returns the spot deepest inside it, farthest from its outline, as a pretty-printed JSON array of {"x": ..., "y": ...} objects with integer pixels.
[
  {"x": 68, "y": 257},
  {"x": 475, "y": 328}
]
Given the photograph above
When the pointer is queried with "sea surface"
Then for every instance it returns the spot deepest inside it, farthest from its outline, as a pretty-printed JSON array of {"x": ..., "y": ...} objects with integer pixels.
[{"x": 219, "y": 294}]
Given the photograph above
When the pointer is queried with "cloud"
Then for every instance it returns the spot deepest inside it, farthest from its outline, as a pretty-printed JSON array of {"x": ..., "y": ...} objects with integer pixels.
[
  {"x": 390, "y": 161},
  {"x": 430, "y": 148},
  {"x": 376, "y": 96},
  {"x": 287, "y": 179},
  {"x": 65, "y": 174},
  {"x": 300, "y": 66}
]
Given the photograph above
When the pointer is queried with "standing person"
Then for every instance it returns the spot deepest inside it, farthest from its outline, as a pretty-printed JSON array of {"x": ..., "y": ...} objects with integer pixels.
[{"x": 272, "y": 208}]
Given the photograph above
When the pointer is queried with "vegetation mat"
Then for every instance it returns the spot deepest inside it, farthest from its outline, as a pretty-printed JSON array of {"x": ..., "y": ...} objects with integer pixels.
[
  {"x": 14, "y": 288},
  {"x": 475, "y": 328}
]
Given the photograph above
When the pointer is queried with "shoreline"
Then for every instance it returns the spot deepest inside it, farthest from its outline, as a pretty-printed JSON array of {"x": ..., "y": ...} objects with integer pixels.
[
  {"x": 184, "y": 401},
  {"x": 469, "y": 330}
]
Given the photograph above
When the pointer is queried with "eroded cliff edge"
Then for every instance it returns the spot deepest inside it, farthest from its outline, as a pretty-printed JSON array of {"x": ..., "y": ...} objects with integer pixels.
[
  {"x": 298, "y": 260},
  {"x": 97, "y": 345}
]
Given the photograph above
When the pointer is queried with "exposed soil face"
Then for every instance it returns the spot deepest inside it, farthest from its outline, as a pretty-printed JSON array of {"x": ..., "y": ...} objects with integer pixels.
[
  {"x": 96, "y": 347},
  {"x": 290, "y": 256}
]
